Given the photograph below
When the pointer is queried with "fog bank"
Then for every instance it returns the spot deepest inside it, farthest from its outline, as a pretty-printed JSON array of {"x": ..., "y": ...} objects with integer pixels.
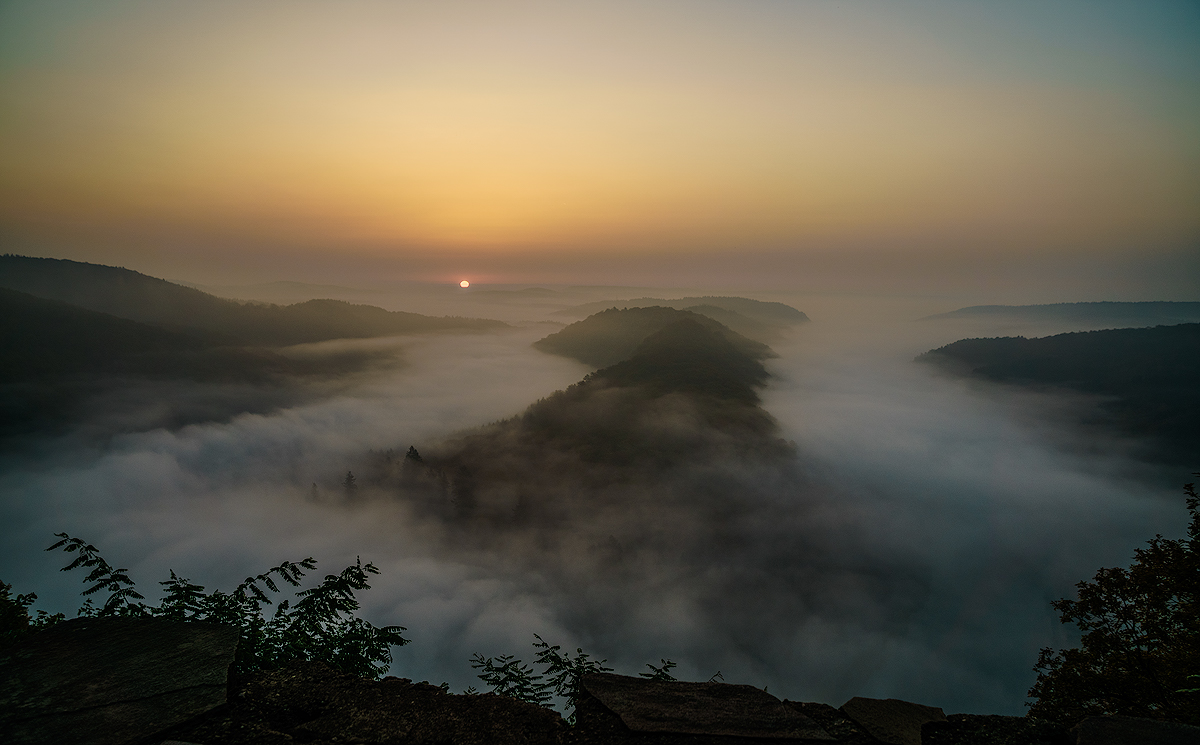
[{"x": 909, "y": 549}]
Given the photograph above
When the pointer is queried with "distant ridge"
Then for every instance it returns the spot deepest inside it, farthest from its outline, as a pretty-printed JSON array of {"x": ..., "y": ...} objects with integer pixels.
[
  {"x": 758, "y": 309},
  {"x": 134, "y": 296},
  {"x": 1152, "y": 313}
]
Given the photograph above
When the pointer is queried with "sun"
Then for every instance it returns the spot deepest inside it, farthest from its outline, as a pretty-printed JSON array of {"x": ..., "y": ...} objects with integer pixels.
[{"x": 464, "y": 284}]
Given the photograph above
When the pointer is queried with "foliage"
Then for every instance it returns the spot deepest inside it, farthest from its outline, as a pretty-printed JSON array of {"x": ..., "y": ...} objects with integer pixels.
[
  {"x": 560, "y": 676},
  {"x": 564, "y": 672},
  {"x": 319, "y": 625},
  {"x": 508, "y": 676},
  {"x": 1195, "y": 678},
  {"x": 14, "y": 616},
  {"x": 1141, "y": 637},
  {"x": 662, "y": 672}
]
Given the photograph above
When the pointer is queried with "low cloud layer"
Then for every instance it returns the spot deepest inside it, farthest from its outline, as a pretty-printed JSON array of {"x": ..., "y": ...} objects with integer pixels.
[{"x": 909, "y": 547}]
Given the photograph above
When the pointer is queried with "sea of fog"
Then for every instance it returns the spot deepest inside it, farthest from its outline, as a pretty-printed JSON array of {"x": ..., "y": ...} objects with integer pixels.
[{"x": 973, "y": 505}]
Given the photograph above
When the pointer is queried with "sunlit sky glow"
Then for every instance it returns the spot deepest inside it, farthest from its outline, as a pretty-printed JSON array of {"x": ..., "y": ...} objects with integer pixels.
[{"x": 535, "y": 140}]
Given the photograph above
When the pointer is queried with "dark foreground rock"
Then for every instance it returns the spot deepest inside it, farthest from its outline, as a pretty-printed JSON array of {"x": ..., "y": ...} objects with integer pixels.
[
  {"x": 1133, "y": 731},
  {"x": 890, "y": 720},
  {"x": 144, "y": 681},
  {"x": 990, "y": 729},
  {"x": 106, "y": 681},
  {"x": 313, "y": 703},
  {"x": 621, "y": 709},
  {"x": 834, "y": 721}
]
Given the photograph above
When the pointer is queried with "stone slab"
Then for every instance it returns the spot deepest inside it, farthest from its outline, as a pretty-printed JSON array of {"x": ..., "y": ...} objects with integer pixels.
[
  {"x": 1133, "y": 731},
  {"x": 715, "y": 709},
  {"x": 108, "y": 681},
  {"x": 891, "y": 720}
]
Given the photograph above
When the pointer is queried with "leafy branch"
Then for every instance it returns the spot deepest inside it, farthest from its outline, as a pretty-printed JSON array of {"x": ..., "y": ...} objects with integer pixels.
[
  {"x": 321, "y": 625},
  {"x": 561, "y": 674}
]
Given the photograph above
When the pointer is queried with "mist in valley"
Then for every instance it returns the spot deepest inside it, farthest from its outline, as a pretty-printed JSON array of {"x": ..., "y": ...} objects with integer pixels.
[{"x": 899, "y": 533}]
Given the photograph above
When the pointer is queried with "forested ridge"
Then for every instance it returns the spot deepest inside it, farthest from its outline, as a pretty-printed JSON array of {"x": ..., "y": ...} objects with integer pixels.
[
  {"x": 137, "y": 297},
  {"x": 1147, "y": 374}
]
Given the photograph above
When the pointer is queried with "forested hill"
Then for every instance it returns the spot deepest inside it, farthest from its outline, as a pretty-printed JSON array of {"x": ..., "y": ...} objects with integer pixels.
[
  {"x": 60, "y": 361},
  {"x": 137, "y": 297},
  {"x": 756, "y": 319},
  {"x": 690, "y": 357},
  {"x": 49, "y": 338},
  {"x": 1114, "y": 315},
  {"x": 1152, "y": 374},
  {"x": 614, "y": 335},
  {"x": 677, "y": 419}
]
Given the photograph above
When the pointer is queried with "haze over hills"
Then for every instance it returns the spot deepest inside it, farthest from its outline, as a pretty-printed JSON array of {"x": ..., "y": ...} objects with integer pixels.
[
  {"x": 613, "y": 335},
  {"x": 134, "y": 296},
  {"x": 1118, "y": 314},
  {"x": 1150, "y": 373}
]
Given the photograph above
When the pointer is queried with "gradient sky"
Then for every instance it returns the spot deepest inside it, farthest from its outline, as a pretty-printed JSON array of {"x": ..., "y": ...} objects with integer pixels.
[{"x": 920, "y": 145}]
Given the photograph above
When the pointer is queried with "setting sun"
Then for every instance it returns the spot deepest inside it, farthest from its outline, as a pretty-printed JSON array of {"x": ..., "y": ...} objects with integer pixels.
[{"x": 464, "y": 284}]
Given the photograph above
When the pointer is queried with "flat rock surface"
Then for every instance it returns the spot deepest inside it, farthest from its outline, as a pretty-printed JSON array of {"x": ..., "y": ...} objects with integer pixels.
[
  {"x": 891, "y": 720},
  {"x": 831, "y": 719},
  {"x": 1133, "y": 731},
  {"x": 717, "y": 709},
  {"x": 106, "y": 681},
  {"x": 315, "y": 704}
]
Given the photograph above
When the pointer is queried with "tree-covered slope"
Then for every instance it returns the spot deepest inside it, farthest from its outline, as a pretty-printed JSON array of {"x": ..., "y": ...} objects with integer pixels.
[
  {"x": 1151, "y": 373},
  {"x": 690, "y": 357},
  {"x": 137, "y": 297},
  {"x": 613, "y": 335},
  {"x": 44, "y": 338},
  {"x": 677, "y": 418},
  {"x": 63, "y": 366}
]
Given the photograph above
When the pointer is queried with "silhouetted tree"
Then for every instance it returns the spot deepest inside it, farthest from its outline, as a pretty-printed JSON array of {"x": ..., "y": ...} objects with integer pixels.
[
  {"x": 350, "y": 485},
  {"x": 1141, "y": 637}
]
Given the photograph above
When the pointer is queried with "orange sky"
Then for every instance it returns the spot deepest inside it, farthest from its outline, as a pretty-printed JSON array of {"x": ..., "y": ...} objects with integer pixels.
[{"x": 480, "y": 136}]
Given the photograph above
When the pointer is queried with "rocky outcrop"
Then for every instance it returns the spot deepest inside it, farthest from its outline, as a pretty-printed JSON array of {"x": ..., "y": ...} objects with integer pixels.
[
  {"x": 313, "y": 703},
  {"x": 834, "y": 721},
  {"x": 145, "y": 681},
  {"x": 106, "y": 681},
  {"x": 621, "y": 709},
  {"x": 892, "y": 721}
]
